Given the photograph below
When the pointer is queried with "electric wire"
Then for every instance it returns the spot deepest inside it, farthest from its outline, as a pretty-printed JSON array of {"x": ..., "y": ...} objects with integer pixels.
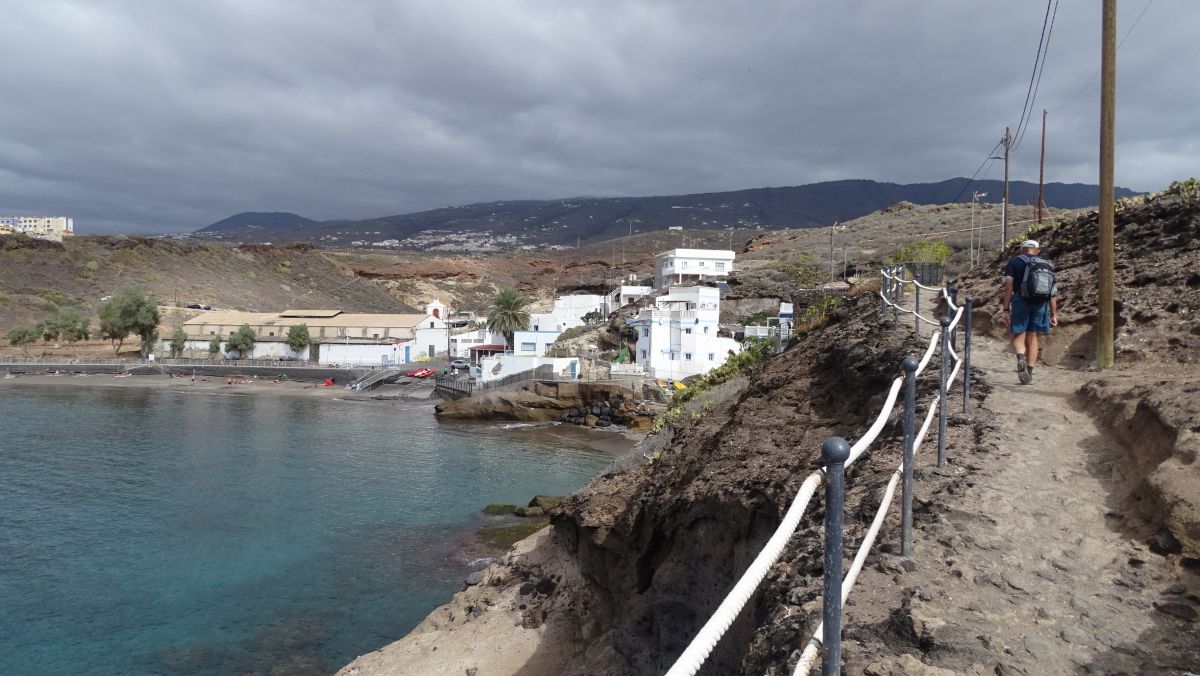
[
  {"x": 1044, "y": 51},
  {"x": 1097, "y": 73}
]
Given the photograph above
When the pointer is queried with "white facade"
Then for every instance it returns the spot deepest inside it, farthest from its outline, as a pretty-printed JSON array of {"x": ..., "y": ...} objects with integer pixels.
[
  {"x": 624, "y": 295},
  {"x": 502, "y": 366},
  {"x": 568, "y": 312},
  {"x": 461, "y": 342},
  {"x": 680, "y": 266},
  {"x": 533, "y": 343},
  {"x": 678, "y": 338}
]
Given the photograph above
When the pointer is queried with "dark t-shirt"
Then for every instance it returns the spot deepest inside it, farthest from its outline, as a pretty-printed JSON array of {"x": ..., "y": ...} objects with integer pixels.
[{"x": 1016, "y": 269}]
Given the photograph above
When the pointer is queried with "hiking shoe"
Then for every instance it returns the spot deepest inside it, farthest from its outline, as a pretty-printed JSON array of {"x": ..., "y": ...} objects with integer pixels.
[
  {"x": 1023, "y": 370},
  {"x": 1029, "y": 370}
]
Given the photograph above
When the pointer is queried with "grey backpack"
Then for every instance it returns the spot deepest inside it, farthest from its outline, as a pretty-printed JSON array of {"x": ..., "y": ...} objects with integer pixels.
[{"x": 1038, "y": 284}]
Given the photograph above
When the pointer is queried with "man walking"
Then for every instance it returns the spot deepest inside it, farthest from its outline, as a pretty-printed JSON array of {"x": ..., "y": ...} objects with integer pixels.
[{"x": 1030, "y": 306}]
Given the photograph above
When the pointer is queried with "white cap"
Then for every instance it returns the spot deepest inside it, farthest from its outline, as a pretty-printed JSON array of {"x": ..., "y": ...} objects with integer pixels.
[{"x": 1030, "y": 244}]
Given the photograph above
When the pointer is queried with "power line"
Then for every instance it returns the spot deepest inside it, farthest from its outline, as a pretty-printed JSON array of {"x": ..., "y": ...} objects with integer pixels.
[
  {"x": 1043, "y": 52},
  {"x": 1097, "y": 73},
  {"x": 1037, "y": 60},
  {"x": 971, "y": 180}
]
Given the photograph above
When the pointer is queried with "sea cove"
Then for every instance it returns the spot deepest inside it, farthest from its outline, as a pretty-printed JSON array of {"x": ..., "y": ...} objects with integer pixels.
[{"x": 171, "y": 531}]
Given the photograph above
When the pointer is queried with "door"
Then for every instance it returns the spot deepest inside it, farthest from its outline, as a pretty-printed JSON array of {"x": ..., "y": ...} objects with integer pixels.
[
  {"x": 574, "y": 369},
  {"x": 431, "y": 348},
  {"x": 407, "y": 353}
]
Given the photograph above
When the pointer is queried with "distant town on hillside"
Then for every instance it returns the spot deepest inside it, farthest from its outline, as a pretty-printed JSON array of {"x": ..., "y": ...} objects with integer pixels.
[{"x": 566, "y": 222}]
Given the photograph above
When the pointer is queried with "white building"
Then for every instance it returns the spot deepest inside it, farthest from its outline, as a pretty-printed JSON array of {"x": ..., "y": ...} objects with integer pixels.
[
  {"x": 624, "y": 295},
  {"x": 682, "y": 266},
  {"x": 504, "y": 365},
  {"x": 337, "y": 337},
  {"x": 568, "y": 312},
  {"x": 678, "y": 338},
  {"x": 41, "y": 227},
  {"x": 533, "y": 343}
]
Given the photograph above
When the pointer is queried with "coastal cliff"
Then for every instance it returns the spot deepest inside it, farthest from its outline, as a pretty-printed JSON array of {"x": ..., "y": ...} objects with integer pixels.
[{"x": 633, "y": 564}]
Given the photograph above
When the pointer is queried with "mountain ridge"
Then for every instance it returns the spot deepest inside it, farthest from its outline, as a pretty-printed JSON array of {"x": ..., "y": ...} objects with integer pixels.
[{"x": 568, "y": 221}]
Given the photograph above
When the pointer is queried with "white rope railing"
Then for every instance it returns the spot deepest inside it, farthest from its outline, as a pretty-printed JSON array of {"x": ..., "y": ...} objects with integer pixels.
[
  {"x": 809, "y": 656},
  {"x": 689, "y": 662}
]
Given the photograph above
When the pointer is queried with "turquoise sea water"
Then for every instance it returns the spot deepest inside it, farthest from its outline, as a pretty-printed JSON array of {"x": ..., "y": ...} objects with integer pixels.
[{"x": 156, "y": 532}]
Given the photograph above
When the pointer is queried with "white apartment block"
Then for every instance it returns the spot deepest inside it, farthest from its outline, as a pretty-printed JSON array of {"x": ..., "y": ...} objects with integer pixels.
[
  {"x": 41, "y": 227},
  {"x": 678, "y": 337},
  {"x": 687, "y": 266}
]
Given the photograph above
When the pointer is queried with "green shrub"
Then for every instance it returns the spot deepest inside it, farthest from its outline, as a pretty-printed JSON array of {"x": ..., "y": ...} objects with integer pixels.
[{"x": 922, "y": 252}]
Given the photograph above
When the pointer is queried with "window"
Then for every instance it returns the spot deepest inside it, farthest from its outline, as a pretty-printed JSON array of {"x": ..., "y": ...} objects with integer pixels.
[
  {"x": 687, "y": 356},
  {"x": 711, "y": 356},
  {"x": 645, "y": 333},
  {"x": 212, "y": 333},
  {"x": 431, "y": 325},
  {"x": 528, "y": 347},
  {"x": 272, "y": 333},
  {"x": 701, "y": 263},
  {"x": 706, "y": 330},
  {"x": 688, "y": 330},
  {"x": 643, "y": 354},
  {"x": 720, "y": 266},
  {"x": 373, "y": 335}
]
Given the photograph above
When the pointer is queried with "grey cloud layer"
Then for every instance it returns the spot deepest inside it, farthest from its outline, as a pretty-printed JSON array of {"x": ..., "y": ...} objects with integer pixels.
[{"x": 159, "y": 116}]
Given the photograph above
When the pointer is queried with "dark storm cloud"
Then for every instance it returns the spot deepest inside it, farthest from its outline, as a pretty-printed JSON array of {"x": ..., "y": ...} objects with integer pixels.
[{"x": 163, "y": 116}]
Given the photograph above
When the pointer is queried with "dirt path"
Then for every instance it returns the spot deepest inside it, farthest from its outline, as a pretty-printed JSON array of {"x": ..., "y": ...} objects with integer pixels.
[{"x": 1020, "y": 565}]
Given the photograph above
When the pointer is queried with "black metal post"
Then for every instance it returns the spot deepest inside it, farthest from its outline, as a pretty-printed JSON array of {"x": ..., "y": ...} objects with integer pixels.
[
  {"x": 943, "y": 385},
  {"x": 967, "y": 355},
  {"x": 917, "y": 310},
  {"x": 883, "y": 291},
  {"x": 910, "y": 412},
  {"x": 834, "y": 452},
  {"x": 896, "y": 291}
]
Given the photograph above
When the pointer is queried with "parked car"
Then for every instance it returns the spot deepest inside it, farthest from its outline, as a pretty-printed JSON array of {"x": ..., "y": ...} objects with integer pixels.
[
  {"x": 193, "y": 306},
  {"x": 460, "y": 364}
]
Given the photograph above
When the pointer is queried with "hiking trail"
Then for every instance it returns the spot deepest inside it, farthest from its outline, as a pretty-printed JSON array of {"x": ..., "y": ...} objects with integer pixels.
[{"x": 1022, "y": 563}]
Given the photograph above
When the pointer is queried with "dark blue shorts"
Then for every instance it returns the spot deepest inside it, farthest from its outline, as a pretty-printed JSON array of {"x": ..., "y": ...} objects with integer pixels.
[{"x": 1030, "y": 316}]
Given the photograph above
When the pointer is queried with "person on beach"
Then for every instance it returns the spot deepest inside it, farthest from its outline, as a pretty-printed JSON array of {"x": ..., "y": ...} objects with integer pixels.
[{"x": 1030, "y": 304}]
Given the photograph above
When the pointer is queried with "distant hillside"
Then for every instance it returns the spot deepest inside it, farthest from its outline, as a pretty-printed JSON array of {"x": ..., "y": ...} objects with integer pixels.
[
  {"x": 567, "y": 221},
  {"x": 264, "y": 221}
]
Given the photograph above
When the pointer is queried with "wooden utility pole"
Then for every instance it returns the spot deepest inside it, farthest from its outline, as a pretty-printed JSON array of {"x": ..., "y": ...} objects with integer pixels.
[
  {"x": 1004, "y": 205},
  {"x": 1042, "y": 171},
  {"x": 1108, "y": 120}
]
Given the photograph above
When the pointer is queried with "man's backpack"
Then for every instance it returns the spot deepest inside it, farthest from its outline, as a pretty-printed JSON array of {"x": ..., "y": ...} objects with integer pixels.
[{"x": 1038, "y": 284}]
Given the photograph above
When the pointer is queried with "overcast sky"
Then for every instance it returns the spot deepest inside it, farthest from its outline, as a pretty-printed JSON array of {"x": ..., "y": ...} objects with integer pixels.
[{"x": 151, "y": 116}]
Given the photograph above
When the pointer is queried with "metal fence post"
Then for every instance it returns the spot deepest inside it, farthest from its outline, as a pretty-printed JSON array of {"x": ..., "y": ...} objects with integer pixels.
[
  {"x": 910, "y": 411},
  {"x": 834, "y": 452},
  {"x": 943, "y": 385},
  {"x": 883, "y": 294},
  {"x": 954, "y": 298},
  {"x": 967, "y": 355},
  {"x": 917, "y": 310},
  {"x": 897, "y": 291}
]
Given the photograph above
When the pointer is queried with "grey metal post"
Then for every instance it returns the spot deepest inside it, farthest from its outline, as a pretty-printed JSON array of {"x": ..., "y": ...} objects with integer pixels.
[
  {"x": 897, "y": 289},
  {"x": 834, "y": 452},
  {"x": 954, "y": 297},
  {"x": 943, "y": 385},
  {"x": 967, "y": 355},
  {"x": 910, "y": 412},
  {"x": 917, "y": 310},
  {"x": 883, "y": 295}
]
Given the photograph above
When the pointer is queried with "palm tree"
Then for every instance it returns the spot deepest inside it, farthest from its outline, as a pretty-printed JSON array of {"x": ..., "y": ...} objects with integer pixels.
[{"x": 509, "y": 313}]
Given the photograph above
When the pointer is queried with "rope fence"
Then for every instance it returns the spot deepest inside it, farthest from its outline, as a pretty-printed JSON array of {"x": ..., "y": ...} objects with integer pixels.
[{"x": 839, "y": 455}]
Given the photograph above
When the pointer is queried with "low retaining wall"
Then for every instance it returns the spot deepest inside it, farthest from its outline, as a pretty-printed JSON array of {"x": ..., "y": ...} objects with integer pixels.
[{"x": 314, "y": 374}]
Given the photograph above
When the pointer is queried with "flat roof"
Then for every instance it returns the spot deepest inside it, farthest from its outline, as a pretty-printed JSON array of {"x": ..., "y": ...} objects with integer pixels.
[
  {"x": 310, "y": 313},
  {"x": 341, "y": 319}
]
